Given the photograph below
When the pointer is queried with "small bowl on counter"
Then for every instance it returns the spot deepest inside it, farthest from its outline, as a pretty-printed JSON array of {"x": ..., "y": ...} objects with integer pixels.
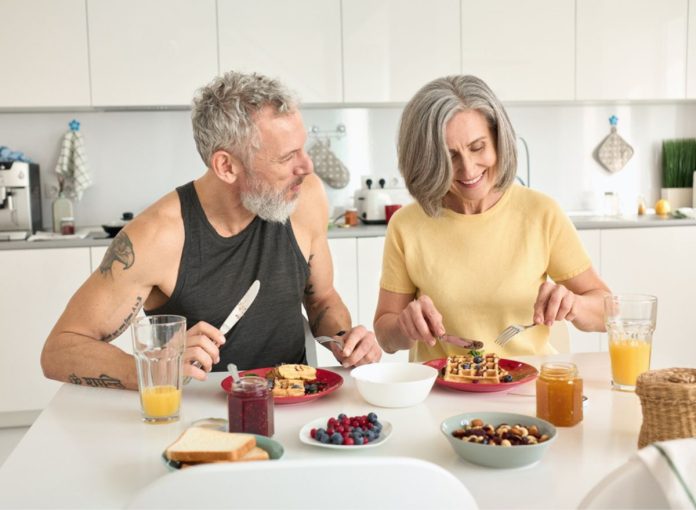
[
  {"x": 394, "y": 384},
  {"x": 514, "y": 453},
  {"x": 114, "y": 227}
]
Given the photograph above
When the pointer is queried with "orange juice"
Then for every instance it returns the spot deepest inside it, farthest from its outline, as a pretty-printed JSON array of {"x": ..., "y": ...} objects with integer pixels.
[
  {"x": 161, "y": 401},
  {"x": 629, "y": 359}
]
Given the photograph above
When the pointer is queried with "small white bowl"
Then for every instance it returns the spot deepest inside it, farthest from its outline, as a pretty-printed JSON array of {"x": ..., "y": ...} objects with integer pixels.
[{"x": 394, "y": 384}]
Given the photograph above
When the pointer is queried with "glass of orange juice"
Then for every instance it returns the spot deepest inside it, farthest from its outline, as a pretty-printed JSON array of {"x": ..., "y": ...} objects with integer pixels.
[
  {"x": 630, "y": 320},
  {"x": 158, "y": 345}
]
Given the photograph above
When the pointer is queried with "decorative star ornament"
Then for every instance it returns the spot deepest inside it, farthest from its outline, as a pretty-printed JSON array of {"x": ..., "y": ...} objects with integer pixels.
[{"x": 74, "y": 125}]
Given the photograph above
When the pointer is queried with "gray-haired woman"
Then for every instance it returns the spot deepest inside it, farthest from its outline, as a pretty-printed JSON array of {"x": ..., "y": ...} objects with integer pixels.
[{"x": 474, "y": 254}]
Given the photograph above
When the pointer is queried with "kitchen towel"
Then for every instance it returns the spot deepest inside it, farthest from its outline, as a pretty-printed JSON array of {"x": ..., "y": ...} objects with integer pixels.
[
  {"x": 673, "y": 464},
  {"x": 328, "y": 166},
  {"x": 72, "y": 162}
]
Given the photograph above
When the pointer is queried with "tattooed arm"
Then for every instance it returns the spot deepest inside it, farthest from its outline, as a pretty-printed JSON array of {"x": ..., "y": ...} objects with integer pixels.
[{"x": 326, "y": 312}]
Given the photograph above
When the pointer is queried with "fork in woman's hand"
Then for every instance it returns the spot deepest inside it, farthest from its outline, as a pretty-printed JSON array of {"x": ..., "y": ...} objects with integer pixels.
[{"x": 508, "y": 333}]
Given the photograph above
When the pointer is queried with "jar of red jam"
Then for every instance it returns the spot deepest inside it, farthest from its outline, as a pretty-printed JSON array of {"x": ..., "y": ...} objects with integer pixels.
[
  {"x": 559, "y": 394},
  {"x": 250, "y": 406}
]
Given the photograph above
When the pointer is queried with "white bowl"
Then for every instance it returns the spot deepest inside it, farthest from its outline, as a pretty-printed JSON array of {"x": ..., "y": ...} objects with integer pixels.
[{"x": 394, "y": 384}]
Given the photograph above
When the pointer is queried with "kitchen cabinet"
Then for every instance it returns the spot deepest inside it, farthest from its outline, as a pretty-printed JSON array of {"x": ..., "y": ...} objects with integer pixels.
[
  {"x": 43, "y": 50},
  {"x": 150, "y": 52},
  {"x": 298, "y": 42},
  {"x": 38, "y": 284},
  {"x": 657, "y": 261},
  {"x": 531, "y": 55},
  {"x": 392, "y": 48},
  {"x": 691, "y": 53},
  {"x": 631, "y": 49}
]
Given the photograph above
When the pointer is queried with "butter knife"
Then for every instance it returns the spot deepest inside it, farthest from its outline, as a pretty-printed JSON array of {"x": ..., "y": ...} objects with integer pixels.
[
  {"x": 236, "y": 314},
  {"x": 461, "y": 342}
]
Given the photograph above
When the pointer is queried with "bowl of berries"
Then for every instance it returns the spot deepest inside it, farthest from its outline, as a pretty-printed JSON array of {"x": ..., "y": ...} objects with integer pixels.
[
  {"x": 345, "y": 432},
  {"x": 498, "y": 440},
  {"x": 394, "y": 384}
]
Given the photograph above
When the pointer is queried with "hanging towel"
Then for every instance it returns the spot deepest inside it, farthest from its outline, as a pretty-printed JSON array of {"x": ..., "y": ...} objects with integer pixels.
[
  {"x": 673, "y": 464},
  {"x": 328, "y": 166},
  {"x": 72, "y": 163}
]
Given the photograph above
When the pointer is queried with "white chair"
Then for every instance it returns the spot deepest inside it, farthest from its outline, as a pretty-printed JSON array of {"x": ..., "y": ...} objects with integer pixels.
[
  {"x": 336, "y": 483},
  {"x": 629, "y": 486}
]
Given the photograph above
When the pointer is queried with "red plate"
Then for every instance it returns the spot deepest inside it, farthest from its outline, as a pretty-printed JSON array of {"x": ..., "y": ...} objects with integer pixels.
[
  {"x": 520, "y": 372},
  {"x": 333, "y": 382}
]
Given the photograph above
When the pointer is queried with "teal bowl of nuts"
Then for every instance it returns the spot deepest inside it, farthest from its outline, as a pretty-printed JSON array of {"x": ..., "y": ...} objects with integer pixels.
[{"x": 498, "y": 440}]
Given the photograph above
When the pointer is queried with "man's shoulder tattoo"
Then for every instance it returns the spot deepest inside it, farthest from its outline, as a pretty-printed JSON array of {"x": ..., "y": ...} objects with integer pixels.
[{"x": 121, "y": 250}]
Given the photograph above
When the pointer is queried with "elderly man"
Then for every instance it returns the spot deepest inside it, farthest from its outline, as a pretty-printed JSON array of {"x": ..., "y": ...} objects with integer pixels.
[{"x": 258, "y": 212}]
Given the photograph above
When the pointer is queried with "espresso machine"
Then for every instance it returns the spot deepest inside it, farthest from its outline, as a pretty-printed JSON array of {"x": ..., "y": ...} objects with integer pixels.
[{"x": 20, "y": 200}]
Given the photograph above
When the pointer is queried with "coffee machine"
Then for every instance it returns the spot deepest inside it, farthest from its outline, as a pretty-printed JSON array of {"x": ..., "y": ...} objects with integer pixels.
[{"x": 20, "y": 200}]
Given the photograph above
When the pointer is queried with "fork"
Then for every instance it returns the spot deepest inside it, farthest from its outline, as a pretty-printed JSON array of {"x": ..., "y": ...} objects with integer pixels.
[{"x": 506, "y": 335}]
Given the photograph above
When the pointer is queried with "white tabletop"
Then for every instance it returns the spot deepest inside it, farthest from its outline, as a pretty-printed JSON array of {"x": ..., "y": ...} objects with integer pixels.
[{"x": 89, "y": 448}]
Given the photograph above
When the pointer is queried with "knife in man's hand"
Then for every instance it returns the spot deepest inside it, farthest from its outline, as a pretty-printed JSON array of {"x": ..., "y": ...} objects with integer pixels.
[{"x": 236, "y": 314}]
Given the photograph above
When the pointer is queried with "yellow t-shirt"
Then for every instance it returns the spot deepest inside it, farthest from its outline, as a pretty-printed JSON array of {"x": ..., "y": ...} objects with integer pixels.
[{"x": 483, "y": 271}]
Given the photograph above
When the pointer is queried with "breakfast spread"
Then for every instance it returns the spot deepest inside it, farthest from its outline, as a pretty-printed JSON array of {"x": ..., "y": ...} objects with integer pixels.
[
  {"x": 294, "y": 380},
  {"x": 349, "y": 430},
  {"x": 502, "y": 435},
  {"x": 199, "y": 445},
  {"x": 475, "y": 367}
]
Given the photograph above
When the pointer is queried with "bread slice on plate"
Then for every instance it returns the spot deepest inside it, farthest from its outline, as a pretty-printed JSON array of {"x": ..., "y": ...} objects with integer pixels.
[
  {"x": 256, "y": 453},
  {"x": 198, "y": 444}
]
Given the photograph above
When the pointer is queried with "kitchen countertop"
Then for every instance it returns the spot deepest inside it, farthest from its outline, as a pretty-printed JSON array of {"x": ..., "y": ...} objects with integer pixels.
[
  {"x": 97, "y": 237},
  {"x": 90, "y": 449}
]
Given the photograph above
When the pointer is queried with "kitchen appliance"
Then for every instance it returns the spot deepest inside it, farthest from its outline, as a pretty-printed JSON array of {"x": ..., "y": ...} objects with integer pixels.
[
  {"x": 20, "y": 200},
  {"x": 374, "y": 195}
]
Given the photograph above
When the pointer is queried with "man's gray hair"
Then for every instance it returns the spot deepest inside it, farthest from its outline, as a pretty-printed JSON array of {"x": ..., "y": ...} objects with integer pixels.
[
  {"x": 424, "y": 159},
  {"x": 222, "y": 113}
]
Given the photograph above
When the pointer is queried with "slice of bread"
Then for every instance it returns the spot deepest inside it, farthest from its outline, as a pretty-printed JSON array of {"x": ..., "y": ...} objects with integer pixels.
[
  {"x": 304, "y": 372},
  {"x": 256, "y": 453},
  {"x": 198, "y": 444}
]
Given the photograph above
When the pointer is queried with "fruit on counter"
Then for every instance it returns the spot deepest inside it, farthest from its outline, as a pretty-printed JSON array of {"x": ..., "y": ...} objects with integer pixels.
[
  {"x": 662, "y": 207},
  {"x": 349, "y": 430}
]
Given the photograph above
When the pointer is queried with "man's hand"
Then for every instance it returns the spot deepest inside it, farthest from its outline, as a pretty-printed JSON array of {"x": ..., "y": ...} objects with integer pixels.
[
  {"x": 421, "y": 321},
  {"x": 360, "y": 347},
  {"x": 203, "y": 343}
]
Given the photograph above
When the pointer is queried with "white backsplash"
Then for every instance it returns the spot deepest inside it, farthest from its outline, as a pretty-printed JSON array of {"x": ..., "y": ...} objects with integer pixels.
[{"x": 136, "y": 157}]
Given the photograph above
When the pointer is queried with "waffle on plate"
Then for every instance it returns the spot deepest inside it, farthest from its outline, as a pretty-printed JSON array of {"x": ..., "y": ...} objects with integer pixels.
[{"x": 474, "y": 368}]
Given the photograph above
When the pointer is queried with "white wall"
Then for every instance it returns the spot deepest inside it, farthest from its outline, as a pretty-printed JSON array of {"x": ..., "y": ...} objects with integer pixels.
[{"x": 136, "y": 157}]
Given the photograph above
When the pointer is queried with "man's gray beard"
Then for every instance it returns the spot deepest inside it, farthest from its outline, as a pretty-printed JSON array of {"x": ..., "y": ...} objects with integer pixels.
[{"x": 266, "y": 203}]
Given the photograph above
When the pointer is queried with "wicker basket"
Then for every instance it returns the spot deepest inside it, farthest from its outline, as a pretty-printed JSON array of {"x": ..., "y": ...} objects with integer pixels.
[{"x": 668, "y": 399}]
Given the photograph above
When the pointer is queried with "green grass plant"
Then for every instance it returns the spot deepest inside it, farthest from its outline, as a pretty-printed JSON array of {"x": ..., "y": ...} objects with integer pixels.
[{"x": 678, "y": 163}]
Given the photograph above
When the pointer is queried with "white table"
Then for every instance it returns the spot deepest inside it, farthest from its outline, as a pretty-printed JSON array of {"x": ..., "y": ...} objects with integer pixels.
[{"x": 89, "y": 448}]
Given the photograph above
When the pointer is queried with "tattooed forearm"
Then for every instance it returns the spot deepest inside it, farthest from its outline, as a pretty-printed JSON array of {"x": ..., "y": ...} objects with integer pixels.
[
  {"x": 317, "y": 320},
  {"x": 103, "y": 381},
  {"x": 309, "y": 288},
  {"x": 120, "y": 249},
  {"x": 126, "y": 322}
]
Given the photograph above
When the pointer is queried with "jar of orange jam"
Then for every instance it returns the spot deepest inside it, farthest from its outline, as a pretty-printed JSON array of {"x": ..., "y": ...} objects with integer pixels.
[{"x": 559, "y": 394}]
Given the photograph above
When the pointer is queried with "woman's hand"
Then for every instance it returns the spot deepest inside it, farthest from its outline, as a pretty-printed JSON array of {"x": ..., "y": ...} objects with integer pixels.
[
  {"x": 420, "y": 321},
  {"x": 203, "y": 342},
  {"x": 554, "y": 302}
]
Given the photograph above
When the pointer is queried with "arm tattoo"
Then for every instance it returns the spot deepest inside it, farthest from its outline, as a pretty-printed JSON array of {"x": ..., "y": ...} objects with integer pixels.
[
  {"x": 126, "y": 322},
  {"x": 103, "y": 381},
  {"x": 317, "y": 321},
  {"x": 309, "y": 289},
  {"x": 120, "y": 249}
]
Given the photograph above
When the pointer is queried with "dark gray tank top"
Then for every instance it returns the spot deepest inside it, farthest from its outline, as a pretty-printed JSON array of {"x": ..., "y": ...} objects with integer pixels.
[{"x": 215, "y": 272}]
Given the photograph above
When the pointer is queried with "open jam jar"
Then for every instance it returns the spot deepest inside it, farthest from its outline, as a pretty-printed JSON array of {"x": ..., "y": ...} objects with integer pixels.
[{"x": 250, "y": 406}]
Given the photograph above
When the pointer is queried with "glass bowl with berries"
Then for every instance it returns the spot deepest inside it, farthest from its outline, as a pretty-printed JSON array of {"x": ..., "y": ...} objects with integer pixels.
[{"x": 498, "y": 440}]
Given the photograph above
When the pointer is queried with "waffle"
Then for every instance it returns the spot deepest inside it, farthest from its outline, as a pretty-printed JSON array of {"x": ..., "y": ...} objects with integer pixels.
[
  {"x": 288, "y": 388},
  {"x": 303, "y": 372},
  {"x": 463, "y": 369}
]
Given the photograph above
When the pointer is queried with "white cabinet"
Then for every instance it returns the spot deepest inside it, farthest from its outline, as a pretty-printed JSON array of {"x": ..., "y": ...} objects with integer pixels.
[
  {"x": 37, "y": 285},
  {"x": 691, "y": 53},
  {"x": 631, "y": 49},
  {"x": 523, "y": 50},
  {"x": 43, "y": 50},
  {"x": 661, "y": 262},
  {"x": 298, "y": 42},
  {"x": 581, "y": 341},
  {"x": 392, "y": 48},
  {"x": 150, "y": 52}
]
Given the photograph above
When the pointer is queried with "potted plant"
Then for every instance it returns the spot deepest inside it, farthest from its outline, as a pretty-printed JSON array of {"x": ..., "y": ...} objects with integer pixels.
[{"x": 678, "y": 167}]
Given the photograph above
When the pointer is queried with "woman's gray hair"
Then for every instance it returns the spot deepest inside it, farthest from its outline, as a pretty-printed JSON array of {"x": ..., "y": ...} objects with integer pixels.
[
  {"x": 424, "y": 159},
  {"x": 222, "y": 113}
]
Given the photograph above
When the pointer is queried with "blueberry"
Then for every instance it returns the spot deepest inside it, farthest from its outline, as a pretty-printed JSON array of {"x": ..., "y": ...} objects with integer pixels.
[
  {"x": 342, "y": 417},
  {"x": 507, "y": 378},
  {"x": 324, "y": 438},
  {"x": 372, "y": 417},
  {"x": 337, "y": 438},
  {"x": 356, "y": 434},
  {"x": 467, "y": 366},
  {"x": 371, "y": 436},
  {"x": 358, "y": 440},
  {"x": 321, "y": 431},
  {"x": 478, "y": 359}
]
